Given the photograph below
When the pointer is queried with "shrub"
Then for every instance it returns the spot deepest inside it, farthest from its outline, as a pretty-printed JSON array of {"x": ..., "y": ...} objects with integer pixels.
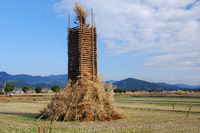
[
  {"x": 181, "y": 92},
  {"x": 38, "y": 89},
  {"x": 9, "y": 88},
  {"x": 25, "y": 89},
  {"x": 124, "y": 90},
  {"x": 55, "y": 88},
  {"x": 119, "y": 90}
]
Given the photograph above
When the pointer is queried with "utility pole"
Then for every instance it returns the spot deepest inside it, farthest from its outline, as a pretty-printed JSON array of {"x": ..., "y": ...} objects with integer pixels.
[{"x": 124, "y": 85}]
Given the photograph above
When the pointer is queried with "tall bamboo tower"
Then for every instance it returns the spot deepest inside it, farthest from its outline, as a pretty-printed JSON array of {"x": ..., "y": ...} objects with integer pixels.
[{"x": 82, "y": 47}]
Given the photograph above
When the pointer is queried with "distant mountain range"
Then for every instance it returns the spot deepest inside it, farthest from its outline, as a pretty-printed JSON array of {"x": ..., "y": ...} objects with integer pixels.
[
  {"x": 188, "y": 86},
  {"x": 131, "y": 83},
  {"x": 34, "y": 81},
  {"x": 22, "y": 80}
]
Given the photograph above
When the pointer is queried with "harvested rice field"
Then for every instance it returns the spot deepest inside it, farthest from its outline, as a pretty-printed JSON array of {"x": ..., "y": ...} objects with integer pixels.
[{"x": 143, "y": 114}]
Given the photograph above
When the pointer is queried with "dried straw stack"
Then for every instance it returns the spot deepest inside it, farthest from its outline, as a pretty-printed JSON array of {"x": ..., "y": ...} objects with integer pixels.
[{"x": 88, "y": 102}]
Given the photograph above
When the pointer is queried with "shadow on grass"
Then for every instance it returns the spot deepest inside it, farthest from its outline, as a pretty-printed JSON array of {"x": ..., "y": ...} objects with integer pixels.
[{"x": 28, "y": 115}]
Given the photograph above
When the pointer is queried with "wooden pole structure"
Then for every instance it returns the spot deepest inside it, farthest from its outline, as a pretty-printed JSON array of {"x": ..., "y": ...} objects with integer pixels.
[
  {"x": 94, "y": 20},
  {"x": 92, "y": 45},
  {"x": 80, "y": 43},
  {"x": 82, "y": 51},
  {"x": 189, "y": 111},
  {"x": 69, "y": 21}
]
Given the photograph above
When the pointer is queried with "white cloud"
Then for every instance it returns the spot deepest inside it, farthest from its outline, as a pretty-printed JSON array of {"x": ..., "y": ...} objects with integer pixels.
[
  {"x": 148, "y": 26},
  {"x": 168, "y": 3},
  {"x": 185, "y": 61},
  {"x": 189, "y": 80}
]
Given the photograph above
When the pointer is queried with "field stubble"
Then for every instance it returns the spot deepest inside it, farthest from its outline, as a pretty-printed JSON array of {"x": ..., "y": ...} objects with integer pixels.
[{"x": 20, "y": 116}]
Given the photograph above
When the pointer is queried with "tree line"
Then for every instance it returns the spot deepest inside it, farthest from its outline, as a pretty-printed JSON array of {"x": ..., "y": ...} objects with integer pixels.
[
  {"x": 9, "y": 88},
  {"x": 119, "y": 90}
]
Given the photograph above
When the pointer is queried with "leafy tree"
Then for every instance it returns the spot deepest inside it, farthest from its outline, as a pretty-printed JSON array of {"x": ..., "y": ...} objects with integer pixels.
[
  {"x": 116, "y": 90},
  {"x": 124, "y": 90},
  {"x": 133, "y": 90},
  {"x": 55, "y": 88},
  {"x": 120, "y": 91},
  {"x": 25, "y": 89},
  {"x": 9, "y": 88},
  {"x": 38, "y": 89}
]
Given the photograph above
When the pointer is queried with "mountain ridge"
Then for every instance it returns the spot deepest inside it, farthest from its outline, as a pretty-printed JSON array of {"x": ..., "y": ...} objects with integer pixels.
[
  {"x": 132, "y": 83},
  {"x": 30, "y": 80},
  {"x": 61, "y": 80}
]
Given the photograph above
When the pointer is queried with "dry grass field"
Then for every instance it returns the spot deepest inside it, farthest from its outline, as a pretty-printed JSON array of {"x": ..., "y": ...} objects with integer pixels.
[{"x": 143, "y": 114}]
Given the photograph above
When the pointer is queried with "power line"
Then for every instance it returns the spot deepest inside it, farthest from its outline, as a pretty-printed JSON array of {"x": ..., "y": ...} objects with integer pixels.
[
  {"x": 126, "y": 65},
  {"x": 51, "y": 54}
]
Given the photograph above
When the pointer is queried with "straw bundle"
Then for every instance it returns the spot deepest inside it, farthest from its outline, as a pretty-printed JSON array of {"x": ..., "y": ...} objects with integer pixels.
[{"x": 81, "y": 14}]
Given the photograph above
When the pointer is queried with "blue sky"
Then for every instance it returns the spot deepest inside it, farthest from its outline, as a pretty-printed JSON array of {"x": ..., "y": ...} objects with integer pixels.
[{"x": 152, "y": 40}]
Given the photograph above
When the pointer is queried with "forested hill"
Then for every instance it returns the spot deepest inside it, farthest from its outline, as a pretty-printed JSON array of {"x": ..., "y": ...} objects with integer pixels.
[
  {"x": 28, "y": 80},
  {"x": 61, "y": 80}
]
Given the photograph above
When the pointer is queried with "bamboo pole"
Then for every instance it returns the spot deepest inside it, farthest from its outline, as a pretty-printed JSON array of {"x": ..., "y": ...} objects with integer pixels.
[
  {"x": 92, "y": 45},
  {"x": 68, "y": 109},
  {"x": 94, "y": 20},
  {"x": 41, "y": 116},
  {"x": 189, "y": 111},
  {"x": 39, "y": 129},
  {"x": 80, "y": 58},
  {"x": 69, "y": 21},
  {"x": 76, "y": 110},
  {"x": 43, "y": 128},
  {"x": 51, "y": 117},
  {"x": 54, "y": 120},
  {"x": 92, "y": 17}
]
